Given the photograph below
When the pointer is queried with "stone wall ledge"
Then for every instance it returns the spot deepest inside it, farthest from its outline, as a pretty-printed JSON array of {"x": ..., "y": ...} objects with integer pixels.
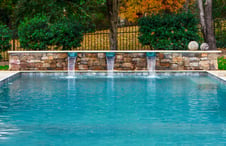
[
  {"x": 120, "y": 51},
  {"x": 124, "y": 60}
]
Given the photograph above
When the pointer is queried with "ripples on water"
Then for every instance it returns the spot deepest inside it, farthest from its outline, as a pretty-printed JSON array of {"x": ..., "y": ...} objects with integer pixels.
[{"x": 96, "y": 110}]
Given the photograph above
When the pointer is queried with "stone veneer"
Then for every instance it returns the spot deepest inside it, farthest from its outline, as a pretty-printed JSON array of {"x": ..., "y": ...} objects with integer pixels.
[{"x": 123, "y": 61}]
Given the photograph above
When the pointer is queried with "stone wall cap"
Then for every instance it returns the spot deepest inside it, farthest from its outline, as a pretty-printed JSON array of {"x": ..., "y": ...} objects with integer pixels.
[{"x": 120, "y": 51}]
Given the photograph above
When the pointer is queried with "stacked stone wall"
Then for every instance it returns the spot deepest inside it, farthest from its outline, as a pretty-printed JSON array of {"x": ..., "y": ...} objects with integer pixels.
[{"x": 123, "y": 61}]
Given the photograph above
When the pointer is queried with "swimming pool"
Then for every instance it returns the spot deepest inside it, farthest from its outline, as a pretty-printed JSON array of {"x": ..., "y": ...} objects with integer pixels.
[{"x": 49, "y": 109}]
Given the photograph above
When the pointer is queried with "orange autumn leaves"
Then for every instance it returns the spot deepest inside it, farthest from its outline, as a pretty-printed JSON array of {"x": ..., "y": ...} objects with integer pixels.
[{"x": 131, "y": 9}]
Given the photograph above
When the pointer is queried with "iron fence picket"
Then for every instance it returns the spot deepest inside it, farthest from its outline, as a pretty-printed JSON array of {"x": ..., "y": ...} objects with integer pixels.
[{"x": 127, "y": 39}]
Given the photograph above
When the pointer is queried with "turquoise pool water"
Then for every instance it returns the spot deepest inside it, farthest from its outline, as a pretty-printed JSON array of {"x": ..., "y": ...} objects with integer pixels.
[{"x": 123, "y": 111}]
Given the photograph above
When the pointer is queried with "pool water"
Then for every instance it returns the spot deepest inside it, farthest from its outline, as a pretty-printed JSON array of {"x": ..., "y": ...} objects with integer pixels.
[{"x": 120, "y": 111}]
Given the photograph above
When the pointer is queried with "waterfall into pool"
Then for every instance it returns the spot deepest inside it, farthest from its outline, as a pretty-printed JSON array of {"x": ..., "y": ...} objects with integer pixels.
[
  {"x": 151, "y": 63},
  {"x": 110, "y": 64},
  {"x": 71, "y": 64}
]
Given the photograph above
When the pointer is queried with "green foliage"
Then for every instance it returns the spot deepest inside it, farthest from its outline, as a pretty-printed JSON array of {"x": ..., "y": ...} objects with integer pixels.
[
  {"x": 53, "y": 9},
  {"x": 219, "y": 9},
  {"x": 6, "y": 11},
  {"x": 220, "y": 33},
  {"x": 38, "y": 33},
  {"x": 67, "y": 34},
  {"x": 84, "y": 11},
  {"x": 168, "y": 31},
  {"x": 221, "y": 39},
  {"x": 5, "y": 38},
  {"x": 35, "y": 33},
  {"x": 222, "y": 63},
  {"x": 5, "y": 67}
]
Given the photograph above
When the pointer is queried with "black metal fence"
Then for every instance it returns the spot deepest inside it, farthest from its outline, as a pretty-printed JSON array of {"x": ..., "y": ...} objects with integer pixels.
[
  {"x": 99, "y": 40},
  {"x": 127, "y": 39},
  {"x": 220, "y": 33}
]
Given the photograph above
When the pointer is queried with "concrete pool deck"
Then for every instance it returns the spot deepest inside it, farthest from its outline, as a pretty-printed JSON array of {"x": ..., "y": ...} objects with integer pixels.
[
  {"x": 219, "y": 74},
  {"x": 6, "y": 74}
]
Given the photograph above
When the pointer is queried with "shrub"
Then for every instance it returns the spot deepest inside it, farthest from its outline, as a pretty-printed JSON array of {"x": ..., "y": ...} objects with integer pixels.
[
  {"x": 67, "y": 34},
  {"x": 35, "y": 33},
  {"x": 168, "y": 31},
  {"x": 5, "y": 38},
  {"x": 38, "y": 33},
  {"x": 222, "y": 63},
  {"x": 5, "y": 67}
]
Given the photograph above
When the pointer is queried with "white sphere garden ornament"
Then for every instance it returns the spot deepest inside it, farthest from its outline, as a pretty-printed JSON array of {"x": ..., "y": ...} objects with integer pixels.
[
  {"x": 204, "y": 46},
  {"x": 193, "y": 45}
]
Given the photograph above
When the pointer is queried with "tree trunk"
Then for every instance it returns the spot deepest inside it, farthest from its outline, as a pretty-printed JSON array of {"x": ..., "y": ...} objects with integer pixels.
[
  {"x": 187, "y": 2},
  {"x": 210, "y": 39},
  {"x": 112, "y": 6},
  {"x": 207, "y": 23},
  {"x": 202, "y": 18}
]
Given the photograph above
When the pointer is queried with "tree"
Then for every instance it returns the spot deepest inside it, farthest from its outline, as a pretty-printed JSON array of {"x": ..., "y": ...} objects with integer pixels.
[
  {"x": 219, "y": 9},
  {"x": 53, "y": 9},
  {"x": 6, "y": 11},
  {"x": 5, "y": 38},
  {"x": 186, "y": 6},
  {"x": 66, "y": 34},
  {"x": 82, "y": 10},
  {"x": 207, "y": 23},
  {"x": 35, "y": 33},
  {"x": 168, "y": 31},
  {"x": 113, "y": 7},
  {"x": 131, "y": 9}
]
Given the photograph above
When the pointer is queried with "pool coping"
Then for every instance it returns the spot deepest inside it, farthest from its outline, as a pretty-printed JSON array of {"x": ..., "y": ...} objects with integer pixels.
[
  {"x": 6, "y": 76},
  {"x": 221, "y": 75}
]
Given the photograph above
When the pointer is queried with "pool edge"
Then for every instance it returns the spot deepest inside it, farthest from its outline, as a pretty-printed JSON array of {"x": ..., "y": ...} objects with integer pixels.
[
  {"x": 8, "y": 76},
  {"x": 217, "y": 75},
  {"x": 214, "y": 74}
]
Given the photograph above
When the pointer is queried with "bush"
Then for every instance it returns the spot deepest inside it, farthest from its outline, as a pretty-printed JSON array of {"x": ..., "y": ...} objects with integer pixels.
[
  {"x": 38, "y": 33},
  {"x": 168, "y": 31},
  {"x": 5, "y": 67},
  {"x": 35, "y": 33},
  {"x": 222, "y": 63},
  {"x": 67, "y": 34},
  {"x": 5, "y": 38}
]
